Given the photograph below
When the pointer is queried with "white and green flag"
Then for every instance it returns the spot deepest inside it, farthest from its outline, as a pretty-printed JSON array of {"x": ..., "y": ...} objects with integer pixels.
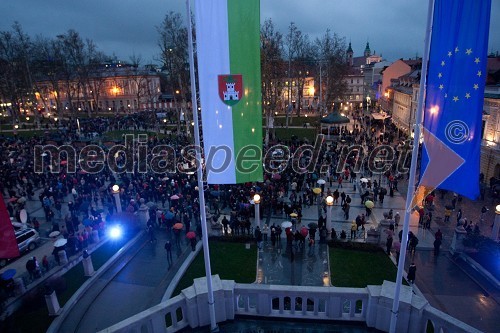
[{"x": 228, "y": 53}]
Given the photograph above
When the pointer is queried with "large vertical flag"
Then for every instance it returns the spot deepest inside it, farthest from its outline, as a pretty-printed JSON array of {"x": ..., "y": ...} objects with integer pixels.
[
  {"x": 454, "y": 97},
  {"x": 8, "y": 243},
  {"x": 228, "y": 53}
]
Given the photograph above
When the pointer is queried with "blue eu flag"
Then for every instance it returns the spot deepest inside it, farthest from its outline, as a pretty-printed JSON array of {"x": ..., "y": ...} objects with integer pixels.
[{"x": 454, "y": 96}]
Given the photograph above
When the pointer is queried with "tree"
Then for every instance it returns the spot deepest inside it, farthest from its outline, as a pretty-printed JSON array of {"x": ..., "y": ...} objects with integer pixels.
[
  {"x": 15, "y": 74},
  {"x": 272, "y": 67},
  {"x": 331, "y": 51},
  {"x": 173, "y": 44}
]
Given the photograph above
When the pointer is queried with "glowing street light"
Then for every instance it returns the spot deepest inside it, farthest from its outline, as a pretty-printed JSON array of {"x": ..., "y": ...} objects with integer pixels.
[
  {"x": 329, "y": 205},
  {"x": 256, "y": 201},
  {"x": 116, "y": 194}
]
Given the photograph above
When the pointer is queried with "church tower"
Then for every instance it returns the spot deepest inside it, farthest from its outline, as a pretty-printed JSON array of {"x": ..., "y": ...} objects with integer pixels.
[
  {"x": 367, "y": 50},
  {"x": 349, "y": 54}
]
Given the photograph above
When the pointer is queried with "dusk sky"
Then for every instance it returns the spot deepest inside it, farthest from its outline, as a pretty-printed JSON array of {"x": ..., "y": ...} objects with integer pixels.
[{"x": 394, "y": 28}]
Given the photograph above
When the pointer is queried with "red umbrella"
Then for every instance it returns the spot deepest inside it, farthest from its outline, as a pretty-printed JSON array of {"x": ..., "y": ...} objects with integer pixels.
[
  {"x": 304, "y": 231},
  {"x": 191, "y": 235},
  {"x": 13, "y": 199},
  {"x": 64, "y": 162}
]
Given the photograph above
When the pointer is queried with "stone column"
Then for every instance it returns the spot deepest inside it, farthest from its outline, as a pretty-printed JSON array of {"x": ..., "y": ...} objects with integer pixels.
[
  {"x": 457, "y": 245},
  {"x": 88, "y": 267}
]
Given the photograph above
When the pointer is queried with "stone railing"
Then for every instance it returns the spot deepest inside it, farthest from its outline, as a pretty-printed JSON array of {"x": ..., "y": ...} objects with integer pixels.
[{"x": 371, "y": 306}]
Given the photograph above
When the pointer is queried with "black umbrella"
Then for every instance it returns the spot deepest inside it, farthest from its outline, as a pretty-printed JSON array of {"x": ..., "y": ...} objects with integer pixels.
[{"x": 313, "y": 225}]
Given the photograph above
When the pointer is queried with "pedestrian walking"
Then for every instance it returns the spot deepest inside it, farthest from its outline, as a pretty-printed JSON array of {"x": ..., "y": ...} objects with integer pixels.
[
  {"x": 265, "y": 232},
  {"x": 193, "y": 243},
  {"x": 412, "y": 271},
  {"x": 168, "y": 248},
  {"x": 437, "y": 245}
]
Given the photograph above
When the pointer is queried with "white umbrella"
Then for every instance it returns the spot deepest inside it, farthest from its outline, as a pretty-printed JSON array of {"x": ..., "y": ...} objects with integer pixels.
[
  {"x": 363, "y": 180},
  {"x": 60, "y": 242},
  {"x": 286, "y": 224},
  {"x": 321, "y": 181},
  {"x": 54, "y": 234}
]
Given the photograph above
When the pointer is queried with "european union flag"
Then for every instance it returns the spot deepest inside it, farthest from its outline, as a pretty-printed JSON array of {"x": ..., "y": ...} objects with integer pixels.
[{"x": 454, "y": 96}]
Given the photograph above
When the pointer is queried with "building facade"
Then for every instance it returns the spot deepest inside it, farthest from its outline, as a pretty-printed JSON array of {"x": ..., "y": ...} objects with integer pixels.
[{"x": 116, "y": 89}]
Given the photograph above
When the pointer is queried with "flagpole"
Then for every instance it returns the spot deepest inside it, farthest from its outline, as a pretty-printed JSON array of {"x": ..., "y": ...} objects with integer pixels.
[
  {"x": 413, "y": 168},
  {"x": 199, "y": 173}
]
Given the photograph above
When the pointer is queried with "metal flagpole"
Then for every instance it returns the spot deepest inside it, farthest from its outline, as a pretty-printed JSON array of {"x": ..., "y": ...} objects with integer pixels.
[
  {"x": 199, "y": 173},
  {"x": 413, "y": 168}
]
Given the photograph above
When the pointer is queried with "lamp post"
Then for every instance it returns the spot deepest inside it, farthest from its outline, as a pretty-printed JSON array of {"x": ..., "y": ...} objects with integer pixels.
[
  {"x": 317, "y": 191},
  {"x": 256, "y": 201},
  {"x": 329, "y": 205},
  {"x": 496, "y": 225},
  {"x": 116, "y": 194}
]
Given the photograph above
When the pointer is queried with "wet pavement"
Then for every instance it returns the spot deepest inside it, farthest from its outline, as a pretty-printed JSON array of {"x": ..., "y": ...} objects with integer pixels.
[{"x": 295, "y": 265}]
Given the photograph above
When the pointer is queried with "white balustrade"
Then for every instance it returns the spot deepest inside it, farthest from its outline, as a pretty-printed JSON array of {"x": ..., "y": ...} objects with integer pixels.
[{"x": 370, "y": 305}]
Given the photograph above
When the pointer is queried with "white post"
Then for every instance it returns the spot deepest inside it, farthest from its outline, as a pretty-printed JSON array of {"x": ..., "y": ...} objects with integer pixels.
[
  {"x": 496, "y": 226},
  {"x": 199, "y": 174},
  {"x": 413, "y": 169},
  {"x": 256, "y": 201},
  {"x": 329, "y": 206},
  {"x": 116, "y": 195}
]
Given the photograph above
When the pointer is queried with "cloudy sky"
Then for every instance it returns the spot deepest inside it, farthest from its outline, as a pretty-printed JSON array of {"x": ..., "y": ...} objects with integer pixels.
[{"x": 394, "y": 28}]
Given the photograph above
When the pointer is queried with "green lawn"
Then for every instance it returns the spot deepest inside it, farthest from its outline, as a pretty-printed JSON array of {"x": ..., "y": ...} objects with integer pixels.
[
  {"x": 300, "y": 133},
  {"x": 357, "y": 269},
  {"x": 232, "y": 261},
  {"x": 65, "y": 286}
]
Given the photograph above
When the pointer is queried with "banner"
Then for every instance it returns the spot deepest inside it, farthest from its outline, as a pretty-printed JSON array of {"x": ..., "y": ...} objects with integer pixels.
[
  {"x": 454, "y": 96},
  {"x": 8, "y": 243},
  {"x": 228, "y": 53}
]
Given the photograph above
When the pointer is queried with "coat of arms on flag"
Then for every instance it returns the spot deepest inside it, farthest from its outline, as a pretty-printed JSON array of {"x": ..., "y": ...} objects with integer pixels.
[{"x": 230, "y": 88}]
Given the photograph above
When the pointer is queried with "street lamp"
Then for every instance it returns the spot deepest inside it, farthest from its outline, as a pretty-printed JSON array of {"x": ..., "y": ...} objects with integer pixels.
[
  {"x": 256, "y": 201},
  {"x": 329, "y": 205},
  {"x": 496, "y": 225},
  {"x": 116, "y": 193},
  {"x": 317, "y": 191}
]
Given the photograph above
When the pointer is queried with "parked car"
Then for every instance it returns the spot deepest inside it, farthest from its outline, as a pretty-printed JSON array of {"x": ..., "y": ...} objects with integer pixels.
[{"x": 27, "y": 240}]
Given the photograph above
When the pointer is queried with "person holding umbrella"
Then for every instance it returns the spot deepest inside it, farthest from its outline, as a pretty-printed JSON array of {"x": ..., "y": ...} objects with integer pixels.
[{"x": 191, "y": 235}]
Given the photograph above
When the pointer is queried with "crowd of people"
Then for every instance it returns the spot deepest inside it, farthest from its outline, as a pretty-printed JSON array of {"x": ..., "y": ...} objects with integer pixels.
[{"x": 172, "y": 197}]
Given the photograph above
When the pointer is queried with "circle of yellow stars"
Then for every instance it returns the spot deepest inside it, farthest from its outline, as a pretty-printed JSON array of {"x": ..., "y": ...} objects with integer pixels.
[{"x": 479, "y": 73}]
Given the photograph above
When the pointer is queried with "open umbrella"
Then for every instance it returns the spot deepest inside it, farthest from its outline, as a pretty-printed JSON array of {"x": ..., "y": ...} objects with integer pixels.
[
  {"x": 304, "y": 231},
  {"x": 276, "y": 176},
  {"x": 313, "y": 225},
  {"x": 383, "y": 190},
  {"x": 369, "y": 204},
  {"x": 321, "y": 181},
  {"x": 64, "y": 162},
  {"x": 169, "y": 215},
  {"x": 151, "y": 204},
  {"x": 191, "y": 235},
  {"x": 60, "y": 242},
  {"x": 8, "y": 274},
  {"x": 178, "y": 226},
  {"x": 54, "y": 234},
  {"x": 293, "y": 215},
  {"x": 286, "y": 224},
  {"x": 316, "y": 190},
  {"x": 13, "y": 199},
  {"x": 363, "y": 180},
  {"x": 174, "y": 197}
]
